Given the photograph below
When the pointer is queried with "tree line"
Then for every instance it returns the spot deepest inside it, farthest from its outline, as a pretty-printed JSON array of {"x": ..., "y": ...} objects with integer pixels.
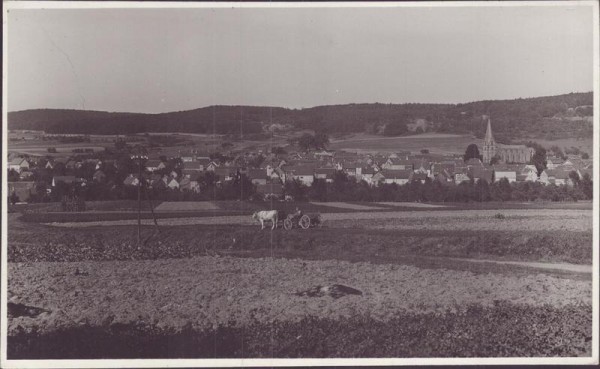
[{"x": 549, "y": 117}]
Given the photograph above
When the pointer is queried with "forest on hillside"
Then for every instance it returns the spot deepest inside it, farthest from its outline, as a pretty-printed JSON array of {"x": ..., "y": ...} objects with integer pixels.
[{"x": 552, "y": 117}]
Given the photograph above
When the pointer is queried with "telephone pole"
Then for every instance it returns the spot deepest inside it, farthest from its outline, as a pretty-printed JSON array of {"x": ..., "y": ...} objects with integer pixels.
[{"x": 140, "y": 157}]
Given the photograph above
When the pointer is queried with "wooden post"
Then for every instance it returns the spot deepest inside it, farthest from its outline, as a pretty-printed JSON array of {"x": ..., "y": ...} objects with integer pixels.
[{"x": 139, "y": 233}]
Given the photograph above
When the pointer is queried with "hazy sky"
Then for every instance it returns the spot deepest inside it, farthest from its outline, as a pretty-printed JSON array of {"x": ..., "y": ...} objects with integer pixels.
[{"x": 158, "y": 60}]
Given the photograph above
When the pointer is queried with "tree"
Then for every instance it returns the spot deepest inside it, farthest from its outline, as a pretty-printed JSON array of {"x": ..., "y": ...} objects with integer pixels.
[
  {"x": 278, "y": 150},
  {"x": 318, "y": 190},
  {"x": 585, "y": 155},
  {"x": 424, "y": 151},
  {"x": 296, "y": 189},
  {"x": 256, "y": 161},
  {"x": 321, "y": 140},
  {"x": 574, "y": 177},
  {"x": 13, "y": 175},
  {"x": 558, "y": 152},
  {"x": 306, "y": 141},
  {"x": 587, "y": 186},
  {"x": 472, "y": 152},
  {"x": 14, "y": 198},
  {"x": 539, "y": 159}
]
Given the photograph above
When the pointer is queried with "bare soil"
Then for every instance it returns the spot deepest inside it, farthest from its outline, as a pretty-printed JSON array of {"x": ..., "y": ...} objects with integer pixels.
[{"x": 204, "y": 292}]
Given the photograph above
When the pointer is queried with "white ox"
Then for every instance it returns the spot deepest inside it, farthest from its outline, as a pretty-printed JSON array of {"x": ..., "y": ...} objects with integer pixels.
[{"x": 264, "y": 215}]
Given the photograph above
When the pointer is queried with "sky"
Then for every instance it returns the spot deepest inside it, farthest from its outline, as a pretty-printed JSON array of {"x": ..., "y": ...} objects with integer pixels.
[{"x": 161, "y": 60}]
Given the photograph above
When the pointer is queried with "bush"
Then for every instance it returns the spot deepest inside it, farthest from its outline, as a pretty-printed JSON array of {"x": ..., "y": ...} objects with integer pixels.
[{"x": 503, "y": 330}]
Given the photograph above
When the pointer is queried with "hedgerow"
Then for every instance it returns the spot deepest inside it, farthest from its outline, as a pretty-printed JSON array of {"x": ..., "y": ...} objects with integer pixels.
[{"x": 503, "y": 330}]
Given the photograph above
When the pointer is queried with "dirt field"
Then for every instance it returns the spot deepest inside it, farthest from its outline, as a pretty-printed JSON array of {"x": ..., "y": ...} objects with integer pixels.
[
  {"x": 220, "y": 287},
  {"x": 176, "y": 293}
]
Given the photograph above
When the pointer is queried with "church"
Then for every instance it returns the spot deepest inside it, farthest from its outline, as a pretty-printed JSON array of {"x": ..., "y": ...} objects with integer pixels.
[{"x": 505, "y": 153}]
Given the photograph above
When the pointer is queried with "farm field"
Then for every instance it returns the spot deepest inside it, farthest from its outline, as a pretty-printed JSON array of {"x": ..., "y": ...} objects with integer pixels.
[
  {"x": 437, "y": 143},
  {"x": 474, "y": 220},
  {"x": 217, "y": 290}
]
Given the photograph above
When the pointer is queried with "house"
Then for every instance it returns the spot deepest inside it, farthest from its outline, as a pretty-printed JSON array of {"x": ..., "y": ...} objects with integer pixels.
[
  {"x": 553, "y": 162},
  {"x": 72, "y": 164},
  {"x": 212, "y": 166},
  {"x": 367, "y": 174},
  {"x": 99, "y": 176},
  {"x": 153, "y": 165},
  {"x": 257, "y": 176},
  {"x": 172, "y": 183},
  {"x": 191, "y": 173},
  {"x": 187, "y": 184},
  {"x": 528, "y": 176},
  {"x": 23, "y": 190},
  {"x": 443, "y": 172},
  {"x": 304, "y": 174},
  {"x": 397, "y": 164},
  {"x": 508, "y": 171},
  {"x": 278, "y": 174},
  {"x": 157, "y": 182},
  {"x": 324, "y": 154},
  {"x": 18, "y": 165},
  {"x": 543, "y": 178},
  {"x": 325, "y": 174},
  {"x": 474, "y": 162},
  {"x": 419, "y": 176},
  {"x": 131, "y": 180},
  {"x": 422, "y": 166},
  {"x": 193, "y": 165},
  {"x": 559, "y": 177},
  {"x": 226, "y": 173},
  {"x": 25, "y": 175},
  {"x": 397, "y": 176},
  {"x": 478, "y": 173}
]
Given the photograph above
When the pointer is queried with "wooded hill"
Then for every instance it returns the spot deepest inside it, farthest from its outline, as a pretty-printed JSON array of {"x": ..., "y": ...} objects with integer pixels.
[{"x": 542, "y": 117}]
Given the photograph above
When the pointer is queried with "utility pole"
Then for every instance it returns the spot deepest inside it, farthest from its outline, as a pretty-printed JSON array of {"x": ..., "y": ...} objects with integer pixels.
[{"x": 139, "y": 158}]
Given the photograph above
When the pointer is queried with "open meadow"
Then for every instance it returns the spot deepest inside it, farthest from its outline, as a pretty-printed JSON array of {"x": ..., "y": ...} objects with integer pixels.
[
  {"x": 438, "y": 143},
  {"x": 455, "y": 280}
]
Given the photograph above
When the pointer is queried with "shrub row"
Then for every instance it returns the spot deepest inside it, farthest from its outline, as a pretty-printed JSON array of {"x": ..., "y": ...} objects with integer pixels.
[{"x": 503, "y": 330}]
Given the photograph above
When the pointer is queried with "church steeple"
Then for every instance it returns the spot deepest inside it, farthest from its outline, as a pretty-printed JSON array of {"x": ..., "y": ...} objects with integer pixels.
[
  {"x": 489, "y": 138},
  {"x": 489, "y": 145}
]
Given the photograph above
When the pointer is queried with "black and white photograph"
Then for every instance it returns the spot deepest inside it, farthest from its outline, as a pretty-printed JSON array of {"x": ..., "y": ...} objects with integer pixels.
[{"x": 282, "y": 183}]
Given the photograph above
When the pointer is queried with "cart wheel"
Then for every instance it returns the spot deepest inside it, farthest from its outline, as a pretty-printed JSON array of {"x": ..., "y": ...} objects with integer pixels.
[
  {"x": 287, "y": 224},
  {"x": 305, "y": 222}
]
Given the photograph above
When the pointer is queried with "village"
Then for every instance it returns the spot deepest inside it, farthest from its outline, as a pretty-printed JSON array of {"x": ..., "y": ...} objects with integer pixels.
[{"x": 277, "y": 174}]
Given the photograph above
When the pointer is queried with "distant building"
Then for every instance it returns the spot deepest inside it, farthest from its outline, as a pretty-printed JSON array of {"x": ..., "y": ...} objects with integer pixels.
[
  {"x": 397, "y": 176},
  {"x": 506, "y": 171},
  {"x": 506, "y": 153},
  {"x": 304, "y": 174},
  {"x": 18, "y": 164}
]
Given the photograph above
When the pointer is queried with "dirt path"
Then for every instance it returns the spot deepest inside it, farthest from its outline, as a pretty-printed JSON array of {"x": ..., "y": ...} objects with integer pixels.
[{"x": 566, "y": 267}]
